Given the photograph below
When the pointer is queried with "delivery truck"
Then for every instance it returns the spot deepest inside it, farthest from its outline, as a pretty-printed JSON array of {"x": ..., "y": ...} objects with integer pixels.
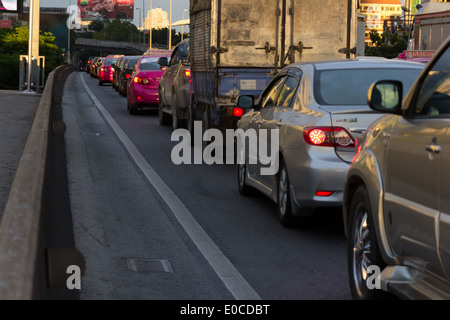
[{"x": 236, "y": 47}]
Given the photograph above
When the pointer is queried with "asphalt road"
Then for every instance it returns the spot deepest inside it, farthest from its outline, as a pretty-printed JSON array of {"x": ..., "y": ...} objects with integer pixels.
[{"x": 153, "y": 230}]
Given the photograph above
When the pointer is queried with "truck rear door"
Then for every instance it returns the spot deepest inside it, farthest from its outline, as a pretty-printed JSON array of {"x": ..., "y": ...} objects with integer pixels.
[{"x": 274, "y": 33}]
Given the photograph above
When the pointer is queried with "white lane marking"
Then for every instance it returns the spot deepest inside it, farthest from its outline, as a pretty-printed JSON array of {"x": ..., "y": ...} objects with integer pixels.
[{"x": 230, "y": 276}]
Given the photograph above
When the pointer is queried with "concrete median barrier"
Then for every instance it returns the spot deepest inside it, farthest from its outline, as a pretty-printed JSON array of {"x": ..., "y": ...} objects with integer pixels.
[{"x": 24, "y": 227}]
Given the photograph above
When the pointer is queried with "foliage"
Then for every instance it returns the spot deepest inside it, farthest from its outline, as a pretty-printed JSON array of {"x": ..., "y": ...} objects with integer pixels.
[
  {"x": 13, "y": 43},
  {"x": 387, "y": 45},
  {"x": 97, "y": 25},
  {"x": 118, "y": 30}
]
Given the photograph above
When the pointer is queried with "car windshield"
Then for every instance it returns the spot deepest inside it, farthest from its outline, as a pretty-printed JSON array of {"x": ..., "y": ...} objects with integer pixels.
[
  {"x": 149, "y": 64},
  {"x": 350, "y": 86}
]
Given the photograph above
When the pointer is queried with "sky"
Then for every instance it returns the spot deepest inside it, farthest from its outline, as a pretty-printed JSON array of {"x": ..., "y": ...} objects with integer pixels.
[{"x": 178, "y": 6}]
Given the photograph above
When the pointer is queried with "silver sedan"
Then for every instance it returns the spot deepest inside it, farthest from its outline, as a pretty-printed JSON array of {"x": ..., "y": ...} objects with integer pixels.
[{"x": 318, "y": 110}]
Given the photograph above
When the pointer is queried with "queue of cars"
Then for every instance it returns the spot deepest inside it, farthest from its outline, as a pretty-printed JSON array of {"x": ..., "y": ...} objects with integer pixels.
[{"x": 336, "y": 148}]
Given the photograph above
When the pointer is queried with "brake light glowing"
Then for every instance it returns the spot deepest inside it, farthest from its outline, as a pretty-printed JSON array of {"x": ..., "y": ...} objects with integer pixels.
[
  {"x": 141, "y": 80},
  {"x": 187, "y": 73},
  {"x": 317, "y": 136},
  {"x": 328, "y": 137},
  {"x": 321, "y": 193},
  {"x": 238, "y": 112}
]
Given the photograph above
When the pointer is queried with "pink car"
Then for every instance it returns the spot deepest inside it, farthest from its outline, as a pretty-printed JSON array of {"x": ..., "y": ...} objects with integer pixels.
[
  {"x": 106, "y": 71},
  {"x": 142, "y": 85}
]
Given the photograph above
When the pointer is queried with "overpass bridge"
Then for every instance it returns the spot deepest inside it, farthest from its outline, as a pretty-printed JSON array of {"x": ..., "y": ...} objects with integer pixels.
[{"x": 109, "y": 47}]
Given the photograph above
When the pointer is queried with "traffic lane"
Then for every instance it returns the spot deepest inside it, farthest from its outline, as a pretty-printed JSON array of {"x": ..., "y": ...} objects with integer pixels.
[
  {"x": 309, "y": 261},
  {"x": 121, "y": 226}
]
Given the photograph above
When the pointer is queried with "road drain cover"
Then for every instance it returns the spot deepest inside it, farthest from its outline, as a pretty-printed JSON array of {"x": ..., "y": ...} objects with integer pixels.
[{"x": 149, "y": 265}]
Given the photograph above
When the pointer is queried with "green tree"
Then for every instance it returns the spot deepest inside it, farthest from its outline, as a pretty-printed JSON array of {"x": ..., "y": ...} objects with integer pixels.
[
  {"x": 97, "y": 25},
  {"x": 387, "y": 45},
  {"x": 118, "y": 30},
  {"x": 14, "y": 43}
]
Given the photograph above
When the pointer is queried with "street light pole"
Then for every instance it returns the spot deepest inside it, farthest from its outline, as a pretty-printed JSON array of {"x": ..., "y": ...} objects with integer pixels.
[
  {"x": 142, "y": 19},
  {"x": 30, "y": 45},
  {"x": 182, "y": 26},
  {"x": 139, "y": 25},
  {"x": 151, "y": 24},
  {"x": 170, "y": 27}
]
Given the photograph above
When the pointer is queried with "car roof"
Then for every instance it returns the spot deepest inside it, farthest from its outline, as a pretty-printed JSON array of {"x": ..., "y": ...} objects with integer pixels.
[{"x": 360, "y": 62}]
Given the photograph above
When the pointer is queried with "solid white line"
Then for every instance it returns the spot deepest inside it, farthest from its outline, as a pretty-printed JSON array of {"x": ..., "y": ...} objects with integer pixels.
[{"x": 230, "y": 276}]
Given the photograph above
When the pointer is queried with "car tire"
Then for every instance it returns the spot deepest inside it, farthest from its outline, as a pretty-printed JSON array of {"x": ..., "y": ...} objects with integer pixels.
[
  {"x": 131, "y": 110},
  {"x": 284, "y": 208},
  {"x": 164, "y": 118},
  {"x": 176, "y": 122},
  {"x": 206, "y": 124},
  {"x": 243, "y": 187},
  {"x": 100, "y": 83},
  {"x": 190, "y": 122},
  {"x": 362, "y": 247}
]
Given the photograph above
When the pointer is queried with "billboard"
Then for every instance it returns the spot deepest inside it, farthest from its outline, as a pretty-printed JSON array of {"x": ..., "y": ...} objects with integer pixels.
[
  {"x": 106, "y": 9},
  {"x": 14, "y": 6}
]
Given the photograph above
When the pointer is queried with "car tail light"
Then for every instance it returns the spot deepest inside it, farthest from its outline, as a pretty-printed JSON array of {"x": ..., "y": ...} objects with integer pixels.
[
  {"x": 238, "y": 112},
  {"x": 187, "y": 73},
  {"x": 128, "y": 75},
  {"x": 328, "y": 137},
  {"x": 141, "y": 80}
]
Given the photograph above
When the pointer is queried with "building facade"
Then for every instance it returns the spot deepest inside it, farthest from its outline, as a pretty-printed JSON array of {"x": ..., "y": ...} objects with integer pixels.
[
  {"x": 156, "y": 19},
  {"x": 377, "y": 12}
]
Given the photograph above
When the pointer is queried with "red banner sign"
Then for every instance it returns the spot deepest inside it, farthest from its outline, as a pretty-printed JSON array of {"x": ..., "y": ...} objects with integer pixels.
[
  {"x": 106, "y": 9},
  {"x": 6, "y": 24}
]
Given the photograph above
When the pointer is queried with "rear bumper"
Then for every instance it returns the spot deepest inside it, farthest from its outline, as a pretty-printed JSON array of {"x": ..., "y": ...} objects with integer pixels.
[
  {"x": 141, "y": 96},
  {"x": 105, "y": 77},
  {"x": 311, "y": 174}
]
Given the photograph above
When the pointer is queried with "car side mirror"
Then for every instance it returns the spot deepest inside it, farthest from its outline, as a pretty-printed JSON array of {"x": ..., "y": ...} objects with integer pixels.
[
  {"x": 386, "y": 96},
  {"x": 245, "y": 102},
  {"x": 163, "y": 62}
]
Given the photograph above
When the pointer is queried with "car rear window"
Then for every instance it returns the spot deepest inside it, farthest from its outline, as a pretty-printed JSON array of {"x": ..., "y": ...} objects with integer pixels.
[
  {"x": 350, "y": 86},
  {"x": 149, "y": 64},
  {"x": 131, "y": 63},
  {"x": 109, "y": 62}
]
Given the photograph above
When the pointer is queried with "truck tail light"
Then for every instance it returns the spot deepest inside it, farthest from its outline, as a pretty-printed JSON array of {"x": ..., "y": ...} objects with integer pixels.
[
  {"x": 328, "y": 137},
  {"x": 238, "y": 112}
]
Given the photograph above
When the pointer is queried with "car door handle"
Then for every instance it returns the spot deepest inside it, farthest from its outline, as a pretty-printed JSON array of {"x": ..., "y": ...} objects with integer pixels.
[{"x": 433, "y": 148}]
